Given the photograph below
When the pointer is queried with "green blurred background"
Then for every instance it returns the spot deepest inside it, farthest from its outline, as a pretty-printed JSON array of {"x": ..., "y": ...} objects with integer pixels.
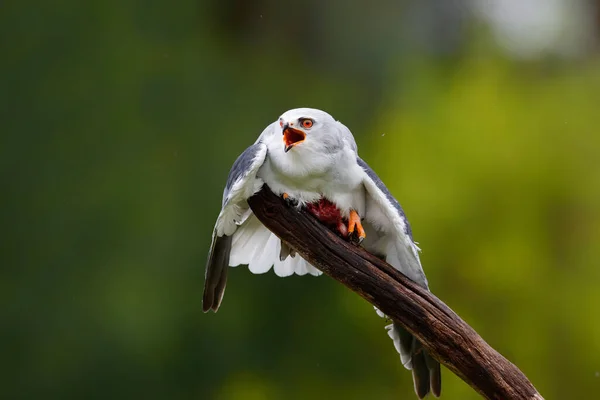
[{"x": 120, "y": 120}]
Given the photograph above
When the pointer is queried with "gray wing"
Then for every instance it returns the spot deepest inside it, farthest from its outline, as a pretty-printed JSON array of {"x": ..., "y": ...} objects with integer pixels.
[
  {"x": 385, "y": 191},
  {"x": 385, "y": 214},
  {"x": 241, "y": 184},
  {"x": 242, "y": 167}
]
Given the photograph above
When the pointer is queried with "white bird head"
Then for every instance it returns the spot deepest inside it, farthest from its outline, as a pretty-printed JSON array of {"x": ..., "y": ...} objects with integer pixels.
[{"x": 309, "y": 130}]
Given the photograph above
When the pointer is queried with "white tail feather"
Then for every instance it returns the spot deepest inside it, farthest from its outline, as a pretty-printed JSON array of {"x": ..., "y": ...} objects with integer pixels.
[
  {"x": 243, "y": 244},
  {"x": 286, "y": 267},
  {"x": 313, "y": 271},
  {"x": 264, "y": 254},
  {"x": 301, "y": 267},
  {"x": 256, "y": 246},
  {"x": 405, "y": 358}
]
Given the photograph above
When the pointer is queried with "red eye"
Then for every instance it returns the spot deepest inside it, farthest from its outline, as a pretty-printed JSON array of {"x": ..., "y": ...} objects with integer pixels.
[
  {"x": 281, "y": 123},
  {"x": 307, "y": 123}
]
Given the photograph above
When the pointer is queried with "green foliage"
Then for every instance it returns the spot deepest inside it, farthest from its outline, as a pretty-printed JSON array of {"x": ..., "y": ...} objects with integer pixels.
[{"x": 119, "y": 123}]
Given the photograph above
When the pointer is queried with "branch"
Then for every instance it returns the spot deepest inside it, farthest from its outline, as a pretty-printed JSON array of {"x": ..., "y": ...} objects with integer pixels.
[{"x": 443, "y": 333}]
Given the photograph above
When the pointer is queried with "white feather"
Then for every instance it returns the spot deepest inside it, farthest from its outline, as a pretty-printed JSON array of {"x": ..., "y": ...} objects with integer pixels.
[
  {"x": 405, "y": 358},
  {"x": 379, "y": 312},
  {"x": 235, "y": 205},
  {"x": 254, "y": 245},
  {"x": 301, "y": 267},
  {"x": 295, "y": 265},
  {"x": 400, "y": 250},
  {"x": 312, "y": 270},
  {"x": 244, "y": 243},
  {"x": 395, "y": 336},
  {"x": 251, "y": 245},
  {"x": 263, "y": 258},
  {"x": 286, "y": 267}
]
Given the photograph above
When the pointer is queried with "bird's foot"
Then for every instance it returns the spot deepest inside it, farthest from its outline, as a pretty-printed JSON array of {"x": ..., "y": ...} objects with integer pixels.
[
  {"x": 289, "y": 200},
  {"x": 356, "y": 232}
]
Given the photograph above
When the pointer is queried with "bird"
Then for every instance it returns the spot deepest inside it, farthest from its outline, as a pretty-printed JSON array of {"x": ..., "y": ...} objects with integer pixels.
[{"x": 311, "y": 160}]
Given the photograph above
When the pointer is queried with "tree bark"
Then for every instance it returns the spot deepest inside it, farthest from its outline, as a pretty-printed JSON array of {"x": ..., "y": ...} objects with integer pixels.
[{"x": 443, "y": 333}]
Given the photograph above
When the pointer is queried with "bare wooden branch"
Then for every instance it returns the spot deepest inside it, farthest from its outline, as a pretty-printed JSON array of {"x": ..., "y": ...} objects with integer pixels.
[{"x": 445, "y": 335}]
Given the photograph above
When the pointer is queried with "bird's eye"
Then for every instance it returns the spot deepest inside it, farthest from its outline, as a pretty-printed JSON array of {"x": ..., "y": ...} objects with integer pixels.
[
  {"x": 281, "y": 123},
  {"x": 307, "y": 123}
]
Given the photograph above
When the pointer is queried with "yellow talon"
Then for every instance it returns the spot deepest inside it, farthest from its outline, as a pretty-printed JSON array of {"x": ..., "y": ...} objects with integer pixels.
[{"x": 354, "y": 224}]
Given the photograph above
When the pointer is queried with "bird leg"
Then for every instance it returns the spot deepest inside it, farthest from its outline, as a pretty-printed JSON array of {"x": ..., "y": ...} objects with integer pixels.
[{"x": 355, "y": 226}]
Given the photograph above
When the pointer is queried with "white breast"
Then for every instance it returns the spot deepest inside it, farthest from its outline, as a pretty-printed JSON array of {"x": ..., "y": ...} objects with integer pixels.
[{"x": 307, "y": 177}]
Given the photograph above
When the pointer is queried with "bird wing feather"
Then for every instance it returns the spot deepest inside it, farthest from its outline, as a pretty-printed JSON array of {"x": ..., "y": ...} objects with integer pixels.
[
  {"x": 239, "y": 238},
  {"x": 385, "y": 216},
  {"x": 241, "y": 184}
]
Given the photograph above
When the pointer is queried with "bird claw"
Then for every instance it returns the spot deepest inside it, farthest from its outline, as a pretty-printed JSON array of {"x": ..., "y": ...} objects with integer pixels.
[
  {"x": 357, "y": 239},
  {"x": 291, "y": 202},
  {"x": 356, "y": 233}
]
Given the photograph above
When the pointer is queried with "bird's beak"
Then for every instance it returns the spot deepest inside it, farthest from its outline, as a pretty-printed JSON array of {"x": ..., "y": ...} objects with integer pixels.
[{"x": 292, "y": 137}]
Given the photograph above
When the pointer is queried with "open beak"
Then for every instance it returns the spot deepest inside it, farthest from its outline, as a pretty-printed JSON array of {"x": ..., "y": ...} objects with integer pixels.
[{"x": 292, "y": 137}]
